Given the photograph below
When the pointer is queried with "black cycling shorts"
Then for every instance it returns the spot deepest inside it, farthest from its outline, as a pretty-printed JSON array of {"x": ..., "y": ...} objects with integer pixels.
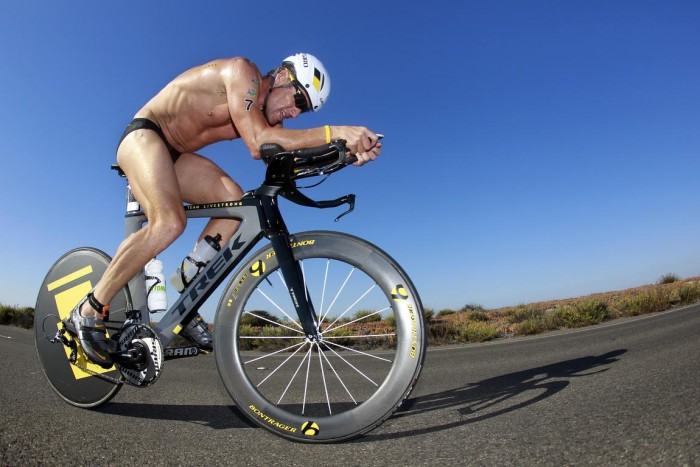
[{"x": 146, "y": 124}]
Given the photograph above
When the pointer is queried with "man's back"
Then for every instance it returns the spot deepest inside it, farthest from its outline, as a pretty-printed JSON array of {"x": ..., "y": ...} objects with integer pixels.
[{"x": 193, "y": 110}]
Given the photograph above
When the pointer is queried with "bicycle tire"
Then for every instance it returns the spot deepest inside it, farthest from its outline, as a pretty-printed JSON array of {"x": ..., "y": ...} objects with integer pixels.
[
  {"x": 363, "y": 369},
  {"x": 67, "y": 282}
]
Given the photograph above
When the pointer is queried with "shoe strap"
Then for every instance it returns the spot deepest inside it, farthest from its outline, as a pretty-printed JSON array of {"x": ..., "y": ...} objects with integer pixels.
[{"x": 103, "y": 310}]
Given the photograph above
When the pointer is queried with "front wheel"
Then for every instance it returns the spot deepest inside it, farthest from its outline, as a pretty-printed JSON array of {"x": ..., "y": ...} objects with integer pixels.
[{"x": 364, "y": 364}]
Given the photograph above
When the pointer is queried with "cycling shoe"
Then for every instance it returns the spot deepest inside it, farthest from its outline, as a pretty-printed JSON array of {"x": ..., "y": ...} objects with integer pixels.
[
  {"x": 198, "y": 332},
  {"x": 92, "y": 335}
]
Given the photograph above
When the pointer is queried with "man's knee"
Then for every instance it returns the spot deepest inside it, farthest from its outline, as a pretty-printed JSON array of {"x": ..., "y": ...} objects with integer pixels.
[
  {"x": 233, "y": 190},
  {"x": 168, "y": 227}
]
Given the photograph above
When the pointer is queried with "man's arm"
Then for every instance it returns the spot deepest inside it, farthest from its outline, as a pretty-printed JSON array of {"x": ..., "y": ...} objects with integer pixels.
[{"x": 242, "y": 81}]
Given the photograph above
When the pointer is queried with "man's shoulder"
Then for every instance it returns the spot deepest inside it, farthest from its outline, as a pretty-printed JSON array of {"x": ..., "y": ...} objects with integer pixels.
[{"x": 239, "y": 63}]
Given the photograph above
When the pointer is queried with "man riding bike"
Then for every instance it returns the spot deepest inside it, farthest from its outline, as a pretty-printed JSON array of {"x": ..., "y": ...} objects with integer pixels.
[{"x": 221, "y": 100}]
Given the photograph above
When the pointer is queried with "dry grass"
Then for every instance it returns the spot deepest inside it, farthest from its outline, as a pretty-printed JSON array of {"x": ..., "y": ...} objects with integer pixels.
[
  {"x": 535, "y": 318},
  {"x": 473, "y": 323}
]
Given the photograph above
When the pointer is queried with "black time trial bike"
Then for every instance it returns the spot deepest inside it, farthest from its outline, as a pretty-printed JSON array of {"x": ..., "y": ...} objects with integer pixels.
[{"x": 319, "y": 336}]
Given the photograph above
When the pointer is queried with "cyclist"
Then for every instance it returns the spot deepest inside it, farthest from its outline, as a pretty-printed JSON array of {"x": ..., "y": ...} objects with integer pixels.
[{"x": 221, "y": 100}]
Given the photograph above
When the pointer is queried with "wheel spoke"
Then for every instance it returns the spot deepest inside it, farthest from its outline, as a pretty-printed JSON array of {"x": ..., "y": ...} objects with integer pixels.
[
  {"x": 330, "y": 328},
  {"x": 340, "y": 290},
  {"x": 273, "y": 303},
  {"x": 354, "y": 367},
  {"x": 323, "y": 378},
  {"x": 291, "y": 380},
  {"x": 340, "y": 380},
  {"x": 275, "y": 323},
  {"x": 349, "y": 349},
  {"x": 306, "y": 382},
  {"x": 300, "y": 345}
]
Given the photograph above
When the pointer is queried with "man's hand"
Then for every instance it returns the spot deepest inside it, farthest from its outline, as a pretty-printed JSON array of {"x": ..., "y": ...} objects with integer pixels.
[
  {"x": 361, "y": 142},
  {"x": 368, "y": 156}
]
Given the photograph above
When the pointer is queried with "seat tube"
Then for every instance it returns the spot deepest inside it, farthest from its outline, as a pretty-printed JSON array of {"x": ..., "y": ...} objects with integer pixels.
[{"x": 134, "y": 220}]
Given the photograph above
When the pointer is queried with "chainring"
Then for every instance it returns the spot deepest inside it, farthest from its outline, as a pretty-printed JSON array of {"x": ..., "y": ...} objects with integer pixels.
[{"x": 144, "y": 338}]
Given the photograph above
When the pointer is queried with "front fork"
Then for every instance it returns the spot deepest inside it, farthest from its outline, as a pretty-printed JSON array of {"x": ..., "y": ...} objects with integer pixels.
[{"x": 291, "y": 270}]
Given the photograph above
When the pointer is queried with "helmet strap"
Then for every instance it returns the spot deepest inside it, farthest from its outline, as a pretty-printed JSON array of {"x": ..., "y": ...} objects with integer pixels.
[{"x": 273, "y": 76}]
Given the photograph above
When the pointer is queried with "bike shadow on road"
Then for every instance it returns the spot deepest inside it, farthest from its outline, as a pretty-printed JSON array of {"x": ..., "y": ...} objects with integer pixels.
[
  {"x": 219, "y": 417},
  {"x": 497, "y": 396}
]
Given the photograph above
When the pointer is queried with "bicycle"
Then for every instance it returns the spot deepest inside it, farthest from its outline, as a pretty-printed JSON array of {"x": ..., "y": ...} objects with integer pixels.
[{"x": 318, "y": 336}]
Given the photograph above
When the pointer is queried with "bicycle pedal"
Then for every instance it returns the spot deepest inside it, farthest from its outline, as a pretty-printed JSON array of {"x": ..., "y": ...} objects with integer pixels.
[
  {"x": 59, "y": 337},
  {"x": 69, "y": 327}
]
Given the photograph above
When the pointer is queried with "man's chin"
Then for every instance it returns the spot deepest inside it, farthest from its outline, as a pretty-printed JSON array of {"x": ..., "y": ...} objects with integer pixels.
[{"x": 273, "y": 121}]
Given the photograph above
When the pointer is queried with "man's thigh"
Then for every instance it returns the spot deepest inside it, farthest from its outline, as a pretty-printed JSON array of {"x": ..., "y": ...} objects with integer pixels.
[
  {"x": 202, "y": 181},
  {"x": 146, "y": 161}
]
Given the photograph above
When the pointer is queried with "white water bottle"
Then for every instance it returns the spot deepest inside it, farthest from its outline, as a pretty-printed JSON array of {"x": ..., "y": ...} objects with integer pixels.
[
  {"x": 155, "y": 286},
  {"x": 203, "y": 252}
]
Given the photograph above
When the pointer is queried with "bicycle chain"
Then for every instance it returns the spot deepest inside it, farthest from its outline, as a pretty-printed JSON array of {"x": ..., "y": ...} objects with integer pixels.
[
  {"x": 109, "y": 379},
  {"x": 73, "y": 360}
]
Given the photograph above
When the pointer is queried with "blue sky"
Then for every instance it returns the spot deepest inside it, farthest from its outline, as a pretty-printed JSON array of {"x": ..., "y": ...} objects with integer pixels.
[{"x": 534, "y": 149}]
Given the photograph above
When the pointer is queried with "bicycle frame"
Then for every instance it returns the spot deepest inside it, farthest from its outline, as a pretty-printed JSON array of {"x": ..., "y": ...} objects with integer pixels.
[{"x": 260, "y": 217}]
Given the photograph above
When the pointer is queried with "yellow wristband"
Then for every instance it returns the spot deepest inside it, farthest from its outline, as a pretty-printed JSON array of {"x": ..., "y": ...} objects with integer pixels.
[{"x": 328, "y": 133}]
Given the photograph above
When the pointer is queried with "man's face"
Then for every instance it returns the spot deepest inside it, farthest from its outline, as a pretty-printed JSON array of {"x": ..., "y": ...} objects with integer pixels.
[{"x": 286, "y": 101}]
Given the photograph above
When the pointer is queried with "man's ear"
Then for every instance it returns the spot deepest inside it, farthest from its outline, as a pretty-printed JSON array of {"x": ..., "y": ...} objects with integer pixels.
[{"x": 282, "y": 77}]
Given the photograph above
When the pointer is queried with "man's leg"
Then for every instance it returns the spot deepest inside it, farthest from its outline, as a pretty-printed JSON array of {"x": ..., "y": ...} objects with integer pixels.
[
  {"x": 202, "y": 181},
  {"x": 147, "y": 164}
]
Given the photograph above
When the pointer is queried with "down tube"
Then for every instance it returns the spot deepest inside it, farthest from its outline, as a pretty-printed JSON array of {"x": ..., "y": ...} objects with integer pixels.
[{"x": 247, "y": 236}]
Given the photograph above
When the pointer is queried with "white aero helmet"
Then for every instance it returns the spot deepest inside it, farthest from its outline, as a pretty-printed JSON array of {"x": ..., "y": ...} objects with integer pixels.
[{"x": 313, "y": 77}]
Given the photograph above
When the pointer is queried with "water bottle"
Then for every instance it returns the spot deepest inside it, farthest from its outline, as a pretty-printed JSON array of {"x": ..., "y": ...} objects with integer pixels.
[
  {"x": 155, "y": 286},
  {"x": 193, "y": 263}
]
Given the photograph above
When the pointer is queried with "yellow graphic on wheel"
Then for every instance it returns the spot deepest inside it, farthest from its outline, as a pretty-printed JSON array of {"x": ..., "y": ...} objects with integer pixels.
[
  {"x": 399, "y": 293},
  {"x": 65, "y": 302},
  {"x": 310, "y": 428},
  {"x": 258, "y": 268}
]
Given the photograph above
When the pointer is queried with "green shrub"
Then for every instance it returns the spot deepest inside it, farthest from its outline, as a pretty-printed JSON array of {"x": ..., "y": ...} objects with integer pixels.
[
  {"x": 535, "y": 321},
  {"x": 522, "y": 313},
  {"x": 649, "y": 301},
  {"x": 258, "y": 318},
  {"x": 668, "y": 279},
  {"x": 445, "y": 312},
  {"x": 442, "y": 332},
  {"x": 477, "y": 332},
  {"x": 248, "y": 331},
  {"x": 22, "y": 317},
  {"x": 591, "y": 311},
  {"x": 532, "y": 326},
  {"x": 336, "y": 336},
  {"x": 689, "y": 293},
  {"x": 477, "y": 315},
  {"x": 274, "y": 344},
  {"x": 581, "y": 313},
  {"x": 368, "y": 316}
]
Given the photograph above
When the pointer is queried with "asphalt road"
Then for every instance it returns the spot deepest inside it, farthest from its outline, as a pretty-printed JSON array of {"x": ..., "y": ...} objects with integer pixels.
[{"x": 622, "y": 393}]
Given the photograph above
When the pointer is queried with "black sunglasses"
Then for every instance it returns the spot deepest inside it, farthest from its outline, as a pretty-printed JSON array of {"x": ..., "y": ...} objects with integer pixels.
[{"x": 300, "y": 100}]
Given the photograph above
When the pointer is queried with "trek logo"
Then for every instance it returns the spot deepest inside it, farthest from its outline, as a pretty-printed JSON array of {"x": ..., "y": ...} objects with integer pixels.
[{"x": 204, "y": 281}]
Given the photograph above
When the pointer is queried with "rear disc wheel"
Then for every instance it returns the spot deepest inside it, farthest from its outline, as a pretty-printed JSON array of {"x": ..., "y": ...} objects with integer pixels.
[{"x": 68, "y": 281}]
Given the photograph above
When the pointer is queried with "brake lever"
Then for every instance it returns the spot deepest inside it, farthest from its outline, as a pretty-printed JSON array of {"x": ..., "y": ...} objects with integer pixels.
[{"x": 350, "y": 201}]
